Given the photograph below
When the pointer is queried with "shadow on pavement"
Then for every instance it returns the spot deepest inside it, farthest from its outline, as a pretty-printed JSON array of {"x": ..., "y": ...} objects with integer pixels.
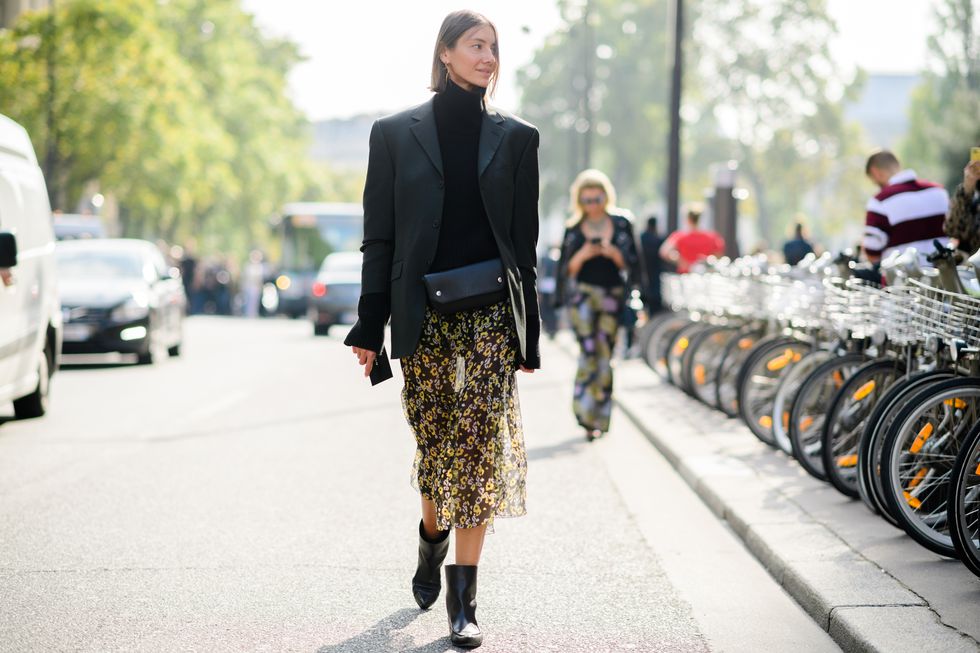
[
  {"x": 565, "y": 448},
  {"x": 383, "y": 637}
]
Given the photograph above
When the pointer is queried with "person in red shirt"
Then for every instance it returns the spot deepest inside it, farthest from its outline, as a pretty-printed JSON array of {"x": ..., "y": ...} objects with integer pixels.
[{"x": 685, "y": 248}]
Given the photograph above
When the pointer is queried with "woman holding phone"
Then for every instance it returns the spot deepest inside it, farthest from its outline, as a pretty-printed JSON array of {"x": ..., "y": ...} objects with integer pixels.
[
  {"x": 450, "y": 229},
  {"x": 599, "y": 265}
]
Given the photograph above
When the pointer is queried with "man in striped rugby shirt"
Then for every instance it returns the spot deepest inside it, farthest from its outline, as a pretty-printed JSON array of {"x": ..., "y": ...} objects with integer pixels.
[{"x": 908, "y": 212}]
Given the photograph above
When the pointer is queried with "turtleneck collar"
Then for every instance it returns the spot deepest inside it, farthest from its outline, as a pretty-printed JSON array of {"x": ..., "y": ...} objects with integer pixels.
[{"x": 459, "y": 102}]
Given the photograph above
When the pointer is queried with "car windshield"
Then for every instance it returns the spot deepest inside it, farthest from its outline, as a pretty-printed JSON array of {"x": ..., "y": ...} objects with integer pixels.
[{"x": 94, "y": 264}]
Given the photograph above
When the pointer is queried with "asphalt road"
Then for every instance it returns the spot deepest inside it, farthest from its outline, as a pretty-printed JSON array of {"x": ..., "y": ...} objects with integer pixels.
[{"x": 253, "y": 495}]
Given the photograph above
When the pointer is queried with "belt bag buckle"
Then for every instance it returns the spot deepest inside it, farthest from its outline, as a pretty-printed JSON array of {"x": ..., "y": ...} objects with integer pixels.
[{"x": 470, "y": 286}]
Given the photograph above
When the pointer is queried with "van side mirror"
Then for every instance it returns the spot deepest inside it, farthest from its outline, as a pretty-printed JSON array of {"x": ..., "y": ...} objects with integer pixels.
[{"x": 8, "y": 250}]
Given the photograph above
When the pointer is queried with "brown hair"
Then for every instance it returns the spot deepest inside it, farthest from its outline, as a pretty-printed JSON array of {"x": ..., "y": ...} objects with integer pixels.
[
  {"x": 883, "y": 160},
  {"x": 453, "y": 27}
]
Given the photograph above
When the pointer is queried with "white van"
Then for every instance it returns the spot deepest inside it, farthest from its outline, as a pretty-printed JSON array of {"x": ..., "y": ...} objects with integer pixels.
[{"x": 30, "y": 313}]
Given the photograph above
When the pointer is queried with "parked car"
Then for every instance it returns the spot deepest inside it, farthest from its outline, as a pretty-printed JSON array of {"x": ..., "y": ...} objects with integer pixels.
[
  {"x": 30, "y": 316},
  {"x": 335, "y": 291},
  {"x": 71, "y": 226},
  {"x": 118, "y": 295}
]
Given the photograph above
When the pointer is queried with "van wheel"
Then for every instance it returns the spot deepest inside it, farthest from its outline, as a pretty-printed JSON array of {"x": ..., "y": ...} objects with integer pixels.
[
  {"x": 36, "y": 403},
  {"x": 175, "y": 350}
]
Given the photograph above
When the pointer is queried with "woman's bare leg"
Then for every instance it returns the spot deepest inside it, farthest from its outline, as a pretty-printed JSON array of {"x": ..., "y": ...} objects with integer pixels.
[
  {"x": 429, "y": 519},
  {"x": 469, "y": 544}
]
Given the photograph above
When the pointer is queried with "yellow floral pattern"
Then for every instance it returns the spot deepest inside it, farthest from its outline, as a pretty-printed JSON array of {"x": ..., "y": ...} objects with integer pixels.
[{"x": 460, "y": 399}]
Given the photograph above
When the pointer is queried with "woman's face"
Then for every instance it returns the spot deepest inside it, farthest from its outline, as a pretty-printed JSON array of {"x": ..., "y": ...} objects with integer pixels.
[
  {"x": 473, "y": 61},
  {"x": 592, "y": 201}
]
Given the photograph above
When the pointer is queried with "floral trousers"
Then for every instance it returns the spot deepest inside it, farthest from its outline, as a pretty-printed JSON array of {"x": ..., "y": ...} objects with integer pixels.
[
  {"x": 460, "y": 399},
  {"x": 595, "y": 316}
]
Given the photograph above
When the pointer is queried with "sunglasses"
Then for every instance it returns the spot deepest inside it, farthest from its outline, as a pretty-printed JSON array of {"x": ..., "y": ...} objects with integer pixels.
[{"x": 586, "y": 201}]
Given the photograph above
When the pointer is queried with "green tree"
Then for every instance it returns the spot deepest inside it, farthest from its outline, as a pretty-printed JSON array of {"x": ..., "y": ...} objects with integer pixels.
[
  {"x": 178, "y": 109},
  {"x": 760, "y": 88},
  {"x": 599, "y": 86},
  {"x": 944, "y": 117}
]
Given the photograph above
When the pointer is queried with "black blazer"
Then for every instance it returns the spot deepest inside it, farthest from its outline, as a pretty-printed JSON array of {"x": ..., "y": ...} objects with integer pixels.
[{"x": 403, "y": 199}]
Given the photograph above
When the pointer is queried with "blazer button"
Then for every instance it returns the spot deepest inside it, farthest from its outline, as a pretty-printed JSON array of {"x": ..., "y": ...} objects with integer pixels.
[
  {"x": 442, "y": 183},
  {"x": 435, "y": 224}
]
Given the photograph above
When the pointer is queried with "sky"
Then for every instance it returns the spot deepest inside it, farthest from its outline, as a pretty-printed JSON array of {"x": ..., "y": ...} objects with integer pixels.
[{"x": 374, "y": 56}]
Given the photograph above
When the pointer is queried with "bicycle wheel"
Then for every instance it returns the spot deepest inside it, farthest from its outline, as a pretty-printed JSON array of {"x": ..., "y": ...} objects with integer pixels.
[
  {"x": 702, "y": 359},
  {"x": 678, "y": 347},
  {"x": 847, "y": 417},
  {"x": 810, "y": 409},
  {"x": 789, "y": 386},
  {"x": 759, "y": 378},
  {"x": 726, "y": 379},
  {"x": 964, "y": 504},
  {"x": 655, "y": 352},
  {"x": 918, "y": 457},
  {"x": 873, "y": 439}
]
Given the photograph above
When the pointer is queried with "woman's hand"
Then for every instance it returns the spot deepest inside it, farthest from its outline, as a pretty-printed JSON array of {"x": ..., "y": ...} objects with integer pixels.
[
  {"x": 612, "y": 252},
  {"x": 366, "y": 358},
  {"x": 527, "y": 369},
  {"x": 971, "y": 174}
]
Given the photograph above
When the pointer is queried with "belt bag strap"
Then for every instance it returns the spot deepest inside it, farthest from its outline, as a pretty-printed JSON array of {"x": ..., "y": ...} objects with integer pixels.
[{"x": 470, "y": 286}]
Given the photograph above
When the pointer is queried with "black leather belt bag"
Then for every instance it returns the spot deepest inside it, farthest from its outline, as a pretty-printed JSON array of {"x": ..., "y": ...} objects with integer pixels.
[{"x": 470, "y": 286}]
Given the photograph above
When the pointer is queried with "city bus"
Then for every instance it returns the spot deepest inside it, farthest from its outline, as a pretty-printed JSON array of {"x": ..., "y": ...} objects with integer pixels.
[{"x": 307, "y": 232}]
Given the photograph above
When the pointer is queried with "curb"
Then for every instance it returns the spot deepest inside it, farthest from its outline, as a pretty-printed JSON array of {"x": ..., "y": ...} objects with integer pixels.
[{"x": 860, "y": 604}]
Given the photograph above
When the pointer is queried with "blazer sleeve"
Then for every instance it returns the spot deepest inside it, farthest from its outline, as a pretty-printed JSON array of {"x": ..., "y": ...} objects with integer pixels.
[
  {"x": 374, "y": 306},
  {"x": 524, "y": 233}
]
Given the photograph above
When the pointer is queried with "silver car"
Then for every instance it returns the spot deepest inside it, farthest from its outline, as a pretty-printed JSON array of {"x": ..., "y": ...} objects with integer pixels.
[{"x": 335, "y": 291}]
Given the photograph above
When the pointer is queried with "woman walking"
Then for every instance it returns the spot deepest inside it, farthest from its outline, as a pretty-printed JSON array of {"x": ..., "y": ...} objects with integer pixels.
[
  {"x": 450, "y": 229},
  {"x": 600, "y": 259}
]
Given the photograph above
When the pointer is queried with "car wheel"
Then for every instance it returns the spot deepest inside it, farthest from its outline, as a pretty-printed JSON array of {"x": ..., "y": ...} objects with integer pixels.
[
  {"x": 321, "y": 329},
  {"x": 36, "y": 403},
  {"x": 174, "y": 351}
]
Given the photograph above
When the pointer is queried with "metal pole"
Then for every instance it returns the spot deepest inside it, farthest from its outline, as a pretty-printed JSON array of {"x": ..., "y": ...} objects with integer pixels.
[
  {"x": 589, "y": 73},
  {"x": 674, "y": 140}
]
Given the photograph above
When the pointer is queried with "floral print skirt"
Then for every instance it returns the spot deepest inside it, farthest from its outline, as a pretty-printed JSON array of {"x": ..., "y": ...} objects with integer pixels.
[
  {"x": 595, "y": 316},
  {"x": 460, "y": 399}
]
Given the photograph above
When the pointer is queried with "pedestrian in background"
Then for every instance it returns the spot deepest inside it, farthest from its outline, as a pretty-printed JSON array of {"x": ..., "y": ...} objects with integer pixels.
[
  {"x": 650, "y": 243},
  {"x": 600, "y": 260},
  {"x": 692, "y": 245},
  {"x": 797, "y": 247},
  {"x": 452, "y": 192},
  {"x": 548, "y": 288},
  {"x": 907, "y": 212},
  {"x": 963, "y": 221}
]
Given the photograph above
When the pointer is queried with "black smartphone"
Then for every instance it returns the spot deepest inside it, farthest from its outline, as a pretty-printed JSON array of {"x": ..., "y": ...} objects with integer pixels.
[{"x": 595, "y": 241}]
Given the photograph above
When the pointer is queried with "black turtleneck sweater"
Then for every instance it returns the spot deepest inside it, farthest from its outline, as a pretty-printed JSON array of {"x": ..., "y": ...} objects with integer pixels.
[{"x": 464, "y": 233}]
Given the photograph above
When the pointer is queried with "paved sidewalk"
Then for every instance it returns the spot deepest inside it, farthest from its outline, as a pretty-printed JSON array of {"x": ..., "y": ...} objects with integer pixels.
[{"x": 868, "y": 584}]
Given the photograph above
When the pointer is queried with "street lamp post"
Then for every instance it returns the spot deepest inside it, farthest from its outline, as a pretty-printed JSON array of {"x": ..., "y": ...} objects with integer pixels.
[{"x": 674, "y": 140}]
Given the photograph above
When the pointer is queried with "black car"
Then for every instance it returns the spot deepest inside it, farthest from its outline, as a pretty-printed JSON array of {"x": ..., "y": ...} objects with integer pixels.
[{"x": 119, "y": 295}]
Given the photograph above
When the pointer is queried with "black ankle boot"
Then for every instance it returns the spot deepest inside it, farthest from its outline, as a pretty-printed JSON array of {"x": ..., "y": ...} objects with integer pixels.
[
  {"x": 461, "y": 606},
  {"x": 426, "y": 582}
]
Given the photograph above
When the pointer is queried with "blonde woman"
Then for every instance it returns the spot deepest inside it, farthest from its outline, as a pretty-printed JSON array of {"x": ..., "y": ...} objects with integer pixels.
[{"x": 599, "y": 263}]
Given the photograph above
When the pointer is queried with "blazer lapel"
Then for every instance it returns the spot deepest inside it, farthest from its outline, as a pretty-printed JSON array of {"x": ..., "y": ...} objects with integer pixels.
[
  {"x": 424, "y": 131},
  {"x": 491, "y": 135}
]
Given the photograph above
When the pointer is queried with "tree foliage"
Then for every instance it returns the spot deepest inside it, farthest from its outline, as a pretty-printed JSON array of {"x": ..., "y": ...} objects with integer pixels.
[
  {"x": 178, "y": 109},
  {"x": 760, "y": 88},
  {"x": 944, "y": 117}
]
